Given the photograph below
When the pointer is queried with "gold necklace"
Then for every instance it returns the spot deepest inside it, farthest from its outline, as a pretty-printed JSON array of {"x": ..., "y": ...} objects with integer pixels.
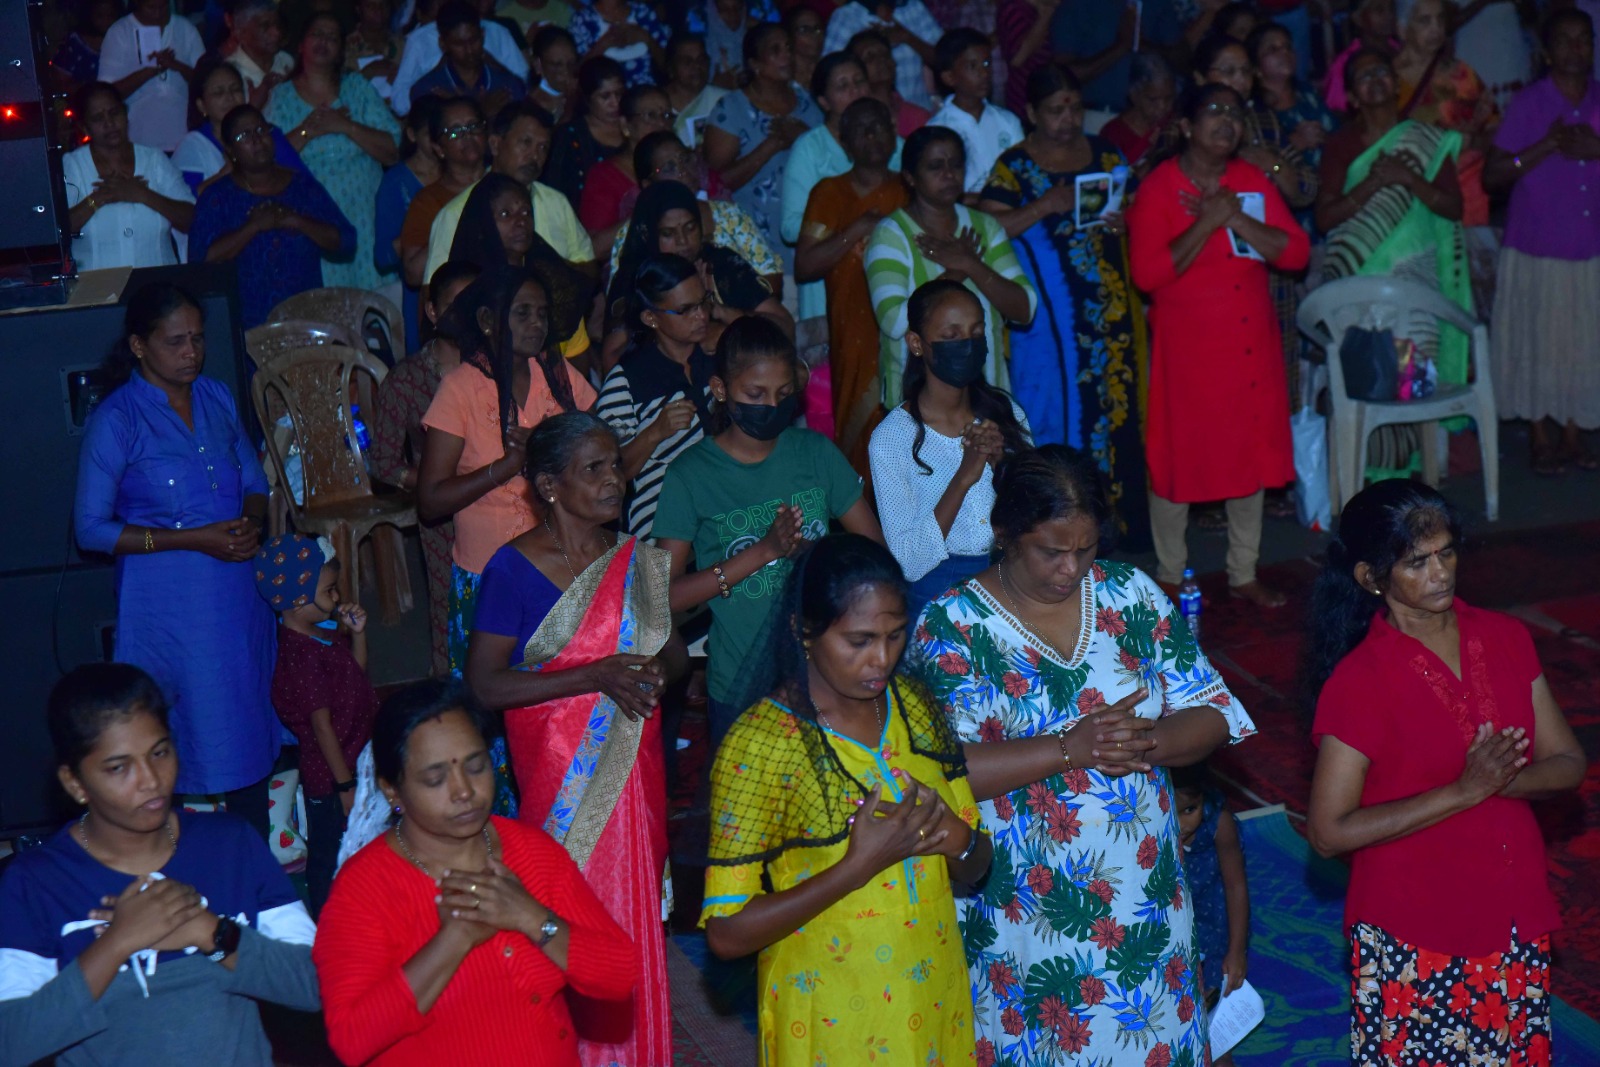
[
  {"x": 83, "y": 833},
  {"x": 1005, "y": 588},
  {"x": 488, "y": 843},
  {"x": 877, "y": 711}
]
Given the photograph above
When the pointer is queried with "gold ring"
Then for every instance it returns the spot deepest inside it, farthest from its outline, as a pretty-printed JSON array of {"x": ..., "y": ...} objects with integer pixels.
[
  {"x": 473, "y": 889},
  {"x": 922, "y": 834},
  {"x": 1119, "y": 744}
]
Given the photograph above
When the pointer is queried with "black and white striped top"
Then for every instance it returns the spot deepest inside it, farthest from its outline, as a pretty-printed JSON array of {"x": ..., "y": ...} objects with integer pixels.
[{"x": 633, "y": 394}]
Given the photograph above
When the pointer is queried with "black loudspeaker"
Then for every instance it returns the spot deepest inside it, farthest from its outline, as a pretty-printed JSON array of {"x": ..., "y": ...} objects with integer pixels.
[
  {"x": 33, "y": 237},
  {"x": 58, "y": 607}
]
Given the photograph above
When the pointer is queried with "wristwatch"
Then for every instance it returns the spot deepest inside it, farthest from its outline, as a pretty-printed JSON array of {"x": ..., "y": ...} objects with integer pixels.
[
  {"x": 225, "y": 942},
  {"x": 549, "y": 929}
]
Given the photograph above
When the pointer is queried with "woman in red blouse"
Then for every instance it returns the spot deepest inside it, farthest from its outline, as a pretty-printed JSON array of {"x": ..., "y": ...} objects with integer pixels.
[
  {"x": 1201, "y": 232},
  {"x": 454, "y": 937},
  {"x": 1435, "y": 727}
]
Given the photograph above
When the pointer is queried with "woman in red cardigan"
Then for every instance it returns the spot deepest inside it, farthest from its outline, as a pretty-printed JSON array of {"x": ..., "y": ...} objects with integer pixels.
[
  {"x": 1435, "y": 727},
  {"x": 1218, "y": 415},
  {"x": 454, "y": 937}
]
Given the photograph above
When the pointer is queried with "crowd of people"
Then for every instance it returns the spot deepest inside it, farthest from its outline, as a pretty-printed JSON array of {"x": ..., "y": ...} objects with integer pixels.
[{"x": 807, "y": 362}]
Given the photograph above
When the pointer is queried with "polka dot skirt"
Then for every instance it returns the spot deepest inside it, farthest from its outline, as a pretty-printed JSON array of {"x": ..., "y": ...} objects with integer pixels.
[{"x": 1415, "y": 1008}]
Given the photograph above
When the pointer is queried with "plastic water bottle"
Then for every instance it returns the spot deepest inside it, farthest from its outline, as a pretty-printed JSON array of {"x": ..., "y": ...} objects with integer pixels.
[
  {"x": 1189, "y": 601},
  {"x": 362, "y": 437}
]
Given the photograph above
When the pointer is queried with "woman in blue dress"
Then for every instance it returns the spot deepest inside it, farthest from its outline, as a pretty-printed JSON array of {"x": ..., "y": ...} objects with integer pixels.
[
  {"x": 170, "y": 485},
  {"x": 274, "y": 223},
  {"x": 1078, "y": 369}
]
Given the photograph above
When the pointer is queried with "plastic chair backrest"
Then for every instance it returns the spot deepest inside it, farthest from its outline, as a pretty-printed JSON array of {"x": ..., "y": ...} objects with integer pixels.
[
  {"x": 313, "y": 386},
  {"x": 1411, "y": 310},
  {"x": 371, "y": 317},
  {"x": 266, "y": 343}
]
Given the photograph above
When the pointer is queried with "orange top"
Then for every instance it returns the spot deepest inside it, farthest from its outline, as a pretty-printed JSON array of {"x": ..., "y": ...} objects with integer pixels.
[{"x": 467, "y": 406}]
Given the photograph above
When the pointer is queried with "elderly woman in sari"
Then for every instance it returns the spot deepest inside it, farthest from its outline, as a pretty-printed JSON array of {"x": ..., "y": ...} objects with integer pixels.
[
  {"x": 574, "y": 639},
  {"x": 1389, "y": 199}
]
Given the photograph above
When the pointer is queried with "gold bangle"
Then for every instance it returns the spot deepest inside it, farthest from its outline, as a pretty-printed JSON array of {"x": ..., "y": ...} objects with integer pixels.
[{"x": 149, "y": 540}]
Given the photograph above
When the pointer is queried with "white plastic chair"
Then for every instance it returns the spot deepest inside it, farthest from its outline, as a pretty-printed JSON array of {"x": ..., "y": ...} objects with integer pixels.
[{"x": 1331, "y": 309}]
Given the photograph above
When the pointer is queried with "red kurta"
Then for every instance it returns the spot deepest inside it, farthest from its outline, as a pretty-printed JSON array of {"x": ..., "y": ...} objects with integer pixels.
[
  {"x": 1456, "y": 887},
  {"x": 1218, "y": 417},
  {"x": 506, "y": 1003}
]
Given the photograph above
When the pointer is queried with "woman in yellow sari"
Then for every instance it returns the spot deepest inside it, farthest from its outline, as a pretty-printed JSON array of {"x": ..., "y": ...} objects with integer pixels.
[
  {"x": 573, "y": 636},
  {"x": 841, "y": 816}
]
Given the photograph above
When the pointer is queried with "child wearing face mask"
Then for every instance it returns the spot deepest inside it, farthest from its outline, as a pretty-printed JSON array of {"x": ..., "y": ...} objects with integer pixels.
[
  {"x": 320, "y": 688},
  {"x": 744, "y": 501},
  {"x": 933, "y": 457}
]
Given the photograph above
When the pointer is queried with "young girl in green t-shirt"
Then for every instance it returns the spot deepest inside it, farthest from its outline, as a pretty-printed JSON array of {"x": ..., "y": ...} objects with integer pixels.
[{"x": 745, "y": 500}]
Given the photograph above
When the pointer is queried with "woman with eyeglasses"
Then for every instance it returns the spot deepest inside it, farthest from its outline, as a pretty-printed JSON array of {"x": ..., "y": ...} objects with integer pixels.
[
  {"x": 123, "y": 200},
  {"x": 217, "y": 89},
  {"x": 1391, "y": 201},
  {"x": 345, "y": 133},
  {"x": 457, "y": 134},
  {"x": 1202, "y": 231},
  {"x": 656, "y": 397},
  {"x": 273, "y": 223},
  {"x": 612, "y": 182}
]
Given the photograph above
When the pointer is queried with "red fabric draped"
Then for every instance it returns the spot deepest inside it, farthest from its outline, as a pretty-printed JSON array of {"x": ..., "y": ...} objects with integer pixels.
[{"x": 625, "y": 868}]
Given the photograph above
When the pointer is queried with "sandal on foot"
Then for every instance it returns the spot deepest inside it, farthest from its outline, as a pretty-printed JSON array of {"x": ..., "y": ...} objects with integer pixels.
[
  {"x": 1547, "y": 462},
  {"x": 1262, "y": 596}
]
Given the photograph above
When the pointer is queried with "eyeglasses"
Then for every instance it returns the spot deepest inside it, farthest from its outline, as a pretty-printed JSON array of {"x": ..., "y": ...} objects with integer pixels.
[
  {"x": 1372, "y": 73},
  {"x": 471, "y": 129},
  {"x": 251, "y": 134},
  {"x": 808, "y": 29},
  {"x": 1226, "y": 111},
  {"x": 667, "y": 117},
  {"x": 702, "y": 308}
]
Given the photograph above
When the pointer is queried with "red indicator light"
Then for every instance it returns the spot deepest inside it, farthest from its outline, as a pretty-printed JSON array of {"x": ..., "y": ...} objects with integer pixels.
[{"x": 8, "y": 112}]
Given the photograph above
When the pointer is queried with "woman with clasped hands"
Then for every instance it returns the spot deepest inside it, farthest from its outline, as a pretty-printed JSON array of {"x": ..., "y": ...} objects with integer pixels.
[
  {"x": 1435, "y": 726},
  {"x": 453, "y": 937}
]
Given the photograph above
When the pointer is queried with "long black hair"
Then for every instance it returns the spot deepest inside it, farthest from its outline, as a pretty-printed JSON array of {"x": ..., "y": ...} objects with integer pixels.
[
  {"x": 477, "y": 237},
  {"x": 90, "y": 698},
  {"x": 148, "y": 307},
  {"x": 988, "y": 402},
  {"x": 1380, "y": 526},
  {"x": 490, "y": 350},
  {"x": 744, "y": 343},
  {"x": 1047, "y": 483},
  {"x": 644, "y": 236}
]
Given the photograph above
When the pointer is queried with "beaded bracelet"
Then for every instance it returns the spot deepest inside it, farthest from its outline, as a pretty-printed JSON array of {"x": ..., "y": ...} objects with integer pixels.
[
  {"x": 722, "y": 581},
  {"x": 1061, "y": 739}
]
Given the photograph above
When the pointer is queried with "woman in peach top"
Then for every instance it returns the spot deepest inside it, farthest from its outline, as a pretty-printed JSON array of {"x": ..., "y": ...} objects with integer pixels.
[{"x": 512, "y": 377}]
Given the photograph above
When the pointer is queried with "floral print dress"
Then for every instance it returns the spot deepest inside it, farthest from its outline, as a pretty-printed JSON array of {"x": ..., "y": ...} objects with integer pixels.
[
  {"x": 1081, "y": 944},
  {"x": 762, "y": 196}
]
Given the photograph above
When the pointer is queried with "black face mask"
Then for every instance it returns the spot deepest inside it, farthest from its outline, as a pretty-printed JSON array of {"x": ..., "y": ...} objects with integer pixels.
[
  {"x": 958, "y": 363},
  {"x": 765, "y": 422}
]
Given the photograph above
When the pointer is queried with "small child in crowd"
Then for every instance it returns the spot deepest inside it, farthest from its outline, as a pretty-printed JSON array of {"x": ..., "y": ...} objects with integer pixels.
[
  {"x": 319, "y": 688},
  {"x": 1213, "y": 859}
]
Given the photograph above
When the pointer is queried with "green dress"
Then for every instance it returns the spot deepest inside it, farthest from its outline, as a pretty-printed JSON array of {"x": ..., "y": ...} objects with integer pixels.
[{"x": 349, "y": 175}]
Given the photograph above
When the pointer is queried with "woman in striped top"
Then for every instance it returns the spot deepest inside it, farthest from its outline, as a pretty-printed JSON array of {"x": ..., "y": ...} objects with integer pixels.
[{"x": 656, "y": 397}]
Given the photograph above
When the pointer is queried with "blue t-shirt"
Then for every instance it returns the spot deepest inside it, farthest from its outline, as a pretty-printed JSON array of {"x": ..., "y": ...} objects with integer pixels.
[{"x": 47, "y": 892}]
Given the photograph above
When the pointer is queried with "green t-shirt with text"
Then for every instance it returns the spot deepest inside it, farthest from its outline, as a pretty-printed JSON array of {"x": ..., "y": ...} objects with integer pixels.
[{"x": 722, "y": 507}]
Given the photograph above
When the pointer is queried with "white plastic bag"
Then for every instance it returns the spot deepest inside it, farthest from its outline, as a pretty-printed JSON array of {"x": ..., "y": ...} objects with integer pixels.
[{"x": 1312, "y": 505}]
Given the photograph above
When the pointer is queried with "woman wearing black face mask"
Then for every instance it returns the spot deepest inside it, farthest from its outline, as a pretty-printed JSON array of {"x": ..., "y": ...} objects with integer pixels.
[
  {"x": 744, "y": 501},
  {"x": 933, "y": 457}
]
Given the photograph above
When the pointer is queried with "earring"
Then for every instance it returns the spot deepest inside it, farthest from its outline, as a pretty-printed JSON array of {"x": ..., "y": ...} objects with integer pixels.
[{"x": 83, "y": 800}]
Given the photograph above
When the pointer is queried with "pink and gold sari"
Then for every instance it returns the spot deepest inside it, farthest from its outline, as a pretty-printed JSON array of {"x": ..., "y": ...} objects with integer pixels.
[{"x": 595, "y": 781}]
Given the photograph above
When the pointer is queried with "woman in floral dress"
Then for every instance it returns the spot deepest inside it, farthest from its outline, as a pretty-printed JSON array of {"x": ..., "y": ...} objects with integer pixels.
[{"x": 1073, "y": 683}]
